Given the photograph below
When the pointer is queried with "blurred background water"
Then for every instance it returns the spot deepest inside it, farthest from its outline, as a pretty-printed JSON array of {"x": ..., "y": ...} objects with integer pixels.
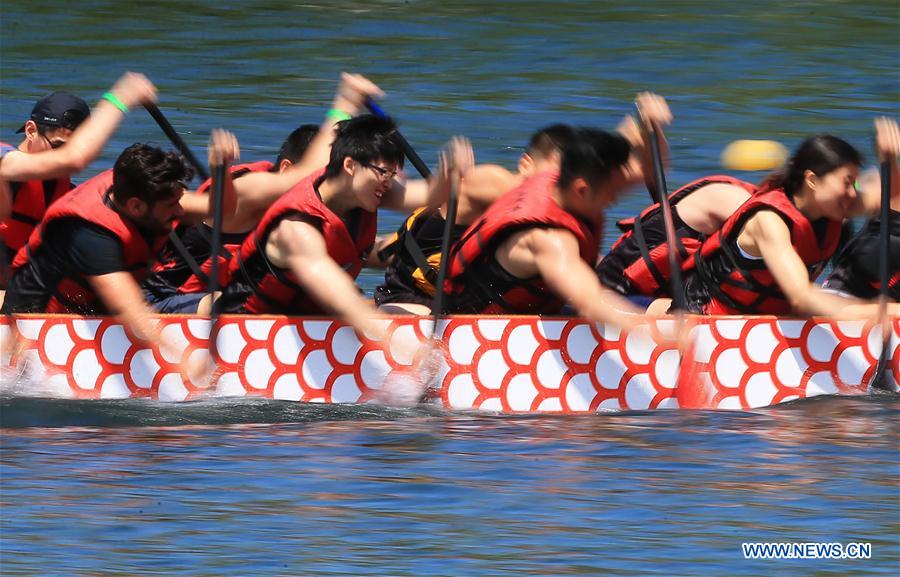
[{"x": 249, "y": 487}]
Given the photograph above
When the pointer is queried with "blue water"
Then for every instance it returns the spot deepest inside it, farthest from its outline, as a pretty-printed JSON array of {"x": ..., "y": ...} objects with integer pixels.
[
  {"x": 135, "y": 488},
  {"x": 266, "y": 488}
]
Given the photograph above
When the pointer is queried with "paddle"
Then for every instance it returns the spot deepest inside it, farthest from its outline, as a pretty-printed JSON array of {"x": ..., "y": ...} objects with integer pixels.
[
  {"x": 408, "y": 151},
  {"x": 185, "y": 151},
  {"x": 880, "y": 381},
  {"x": 437, "y": 306},
  {"x": 180, "y": 144},
  {"x": 687, "y": 389},
  {"x": 431, "y": 357},
  {"x": 218, "y": 192},
  {"x": 659, "y": 176},
  {"x": 406, "y": 387}
]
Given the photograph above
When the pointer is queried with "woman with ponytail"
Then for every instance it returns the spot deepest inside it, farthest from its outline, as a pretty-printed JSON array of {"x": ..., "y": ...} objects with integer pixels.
[{"x": 765, "y": 257}]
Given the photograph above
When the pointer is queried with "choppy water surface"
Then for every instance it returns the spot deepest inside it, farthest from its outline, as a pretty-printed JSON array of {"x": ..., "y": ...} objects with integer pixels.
[
  {"x": 277, "y": 488},
  {"x": 196, "y": 489}
]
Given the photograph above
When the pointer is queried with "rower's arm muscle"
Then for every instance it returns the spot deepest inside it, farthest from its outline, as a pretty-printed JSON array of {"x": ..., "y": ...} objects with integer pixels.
[
  {"x": 772, "y": 238},
  {"x": 124, "y": 299},
  {"x": 566, "y": 274},
  {"x": 300, "y": 247},
  {"x": 480, "y": 186},
  {"x": 412, "y": 194}
]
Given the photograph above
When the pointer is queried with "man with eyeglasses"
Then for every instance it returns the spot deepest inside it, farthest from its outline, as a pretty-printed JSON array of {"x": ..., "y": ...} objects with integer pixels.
[
  {"x": 309, "y": 247},
  {"x": 61, "y": 137},
  {"x": 180, "y": 278}
]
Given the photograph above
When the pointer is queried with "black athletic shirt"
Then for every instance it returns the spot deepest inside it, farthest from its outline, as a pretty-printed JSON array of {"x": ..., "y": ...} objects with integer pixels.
[
  {"x": 71, "y": 247},
  {"x": 856, "y": 268}
]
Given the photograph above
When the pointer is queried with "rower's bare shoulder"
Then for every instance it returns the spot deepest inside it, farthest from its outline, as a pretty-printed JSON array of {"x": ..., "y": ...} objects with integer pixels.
[
  {"x": 719, "y": 199},
  {"x": 294, "y": 235},
  {"x": 11, "y": 161},
  {"x": 487, "y": 182},
  {"x": 767, "y": 226},
  {"x": 551, "y": 242}
]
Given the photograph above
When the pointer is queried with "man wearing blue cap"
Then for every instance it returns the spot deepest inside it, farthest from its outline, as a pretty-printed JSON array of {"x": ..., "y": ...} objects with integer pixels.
[{"x": 61, "y": 137}]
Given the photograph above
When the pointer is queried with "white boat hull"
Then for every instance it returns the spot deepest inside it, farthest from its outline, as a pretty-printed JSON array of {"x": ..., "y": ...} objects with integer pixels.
[{"x": 505, "y": 364}]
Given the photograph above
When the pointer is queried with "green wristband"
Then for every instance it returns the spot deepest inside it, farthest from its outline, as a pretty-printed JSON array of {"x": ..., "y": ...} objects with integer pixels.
[
  {"x": 114, "y": 100},
  {"x": 337, "y": 115}
]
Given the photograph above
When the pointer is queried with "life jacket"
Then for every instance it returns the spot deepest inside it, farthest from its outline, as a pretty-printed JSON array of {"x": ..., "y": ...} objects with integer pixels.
[
  {"x": 738, "y": 285},
  {"x": 90, "y": 202},
  {"x": 29, "y": 203},
  {"x": 477, "y": 283},
  {"x": 185, "y": 264},
  {"x": 275, "y": 290},
  {"x": 644, "y": 265},
  {"x": 857, "y": 267},
  {"x": 414, "y": 251}
]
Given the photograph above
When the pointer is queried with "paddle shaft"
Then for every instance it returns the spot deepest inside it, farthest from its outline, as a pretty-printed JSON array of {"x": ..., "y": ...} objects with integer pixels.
[
  {"x": 182, "y": 147},
  {"x": 408, "y": 151},
  {"x": 879, "y": 381},
  {"x": 180, "y": 144},
  {"x": 437, "y": 306},
  {"x": 884, "y": 250},
  {"x": 218, "y": 193},
  {"x": 678, "y": 298}
]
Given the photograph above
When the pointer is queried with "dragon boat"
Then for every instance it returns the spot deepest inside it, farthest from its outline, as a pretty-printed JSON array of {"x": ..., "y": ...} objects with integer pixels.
[{"x": 493, "y": 363}]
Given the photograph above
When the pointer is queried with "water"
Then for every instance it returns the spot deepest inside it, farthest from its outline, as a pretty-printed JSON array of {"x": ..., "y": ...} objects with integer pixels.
[
  {"x": 139, "y": 487},
  {"x": 286, "y": 489}
]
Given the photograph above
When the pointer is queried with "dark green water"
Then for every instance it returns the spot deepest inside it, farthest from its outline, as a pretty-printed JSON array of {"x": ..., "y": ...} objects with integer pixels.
[{"x": 250, "y": 488}]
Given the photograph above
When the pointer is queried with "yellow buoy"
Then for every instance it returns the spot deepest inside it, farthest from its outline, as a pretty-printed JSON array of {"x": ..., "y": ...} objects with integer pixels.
[{"x": 754, "y": 155}]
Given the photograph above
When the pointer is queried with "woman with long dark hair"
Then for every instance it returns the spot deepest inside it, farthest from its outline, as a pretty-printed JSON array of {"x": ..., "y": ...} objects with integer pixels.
[{"x": 766, "y": 256}]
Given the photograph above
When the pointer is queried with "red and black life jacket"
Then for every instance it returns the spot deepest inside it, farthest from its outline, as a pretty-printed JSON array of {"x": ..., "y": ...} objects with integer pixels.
[
  {"x": 29, "y": 203},
  {"x": 265, "y": 288},
  {"x": 90, "y": 202},
  {"x": 636, "y": 265},
  {"x": 738, "y": 285},
  {"x": 476, "y": 282},
  {"x": 184, "y": 264}
]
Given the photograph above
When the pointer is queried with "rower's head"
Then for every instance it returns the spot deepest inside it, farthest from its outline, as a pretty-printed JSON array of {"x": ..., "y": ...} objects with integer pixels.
[
  {"x": 593, "y": 171},
  {"x": 148, "y": 183},
  {"x": 544, "y": 150},
  {"x": 53, "y": 120},
  {"x": 821, "y": 177},
  {"x": 366, "y": 155},
  {"x": 294, "y": 146}
]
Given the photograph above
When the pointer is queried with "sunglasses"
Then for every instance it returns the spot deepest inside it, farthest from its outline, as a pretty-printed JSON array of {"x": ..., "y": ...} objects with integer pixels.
[{"x": 54, "y": 144}]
